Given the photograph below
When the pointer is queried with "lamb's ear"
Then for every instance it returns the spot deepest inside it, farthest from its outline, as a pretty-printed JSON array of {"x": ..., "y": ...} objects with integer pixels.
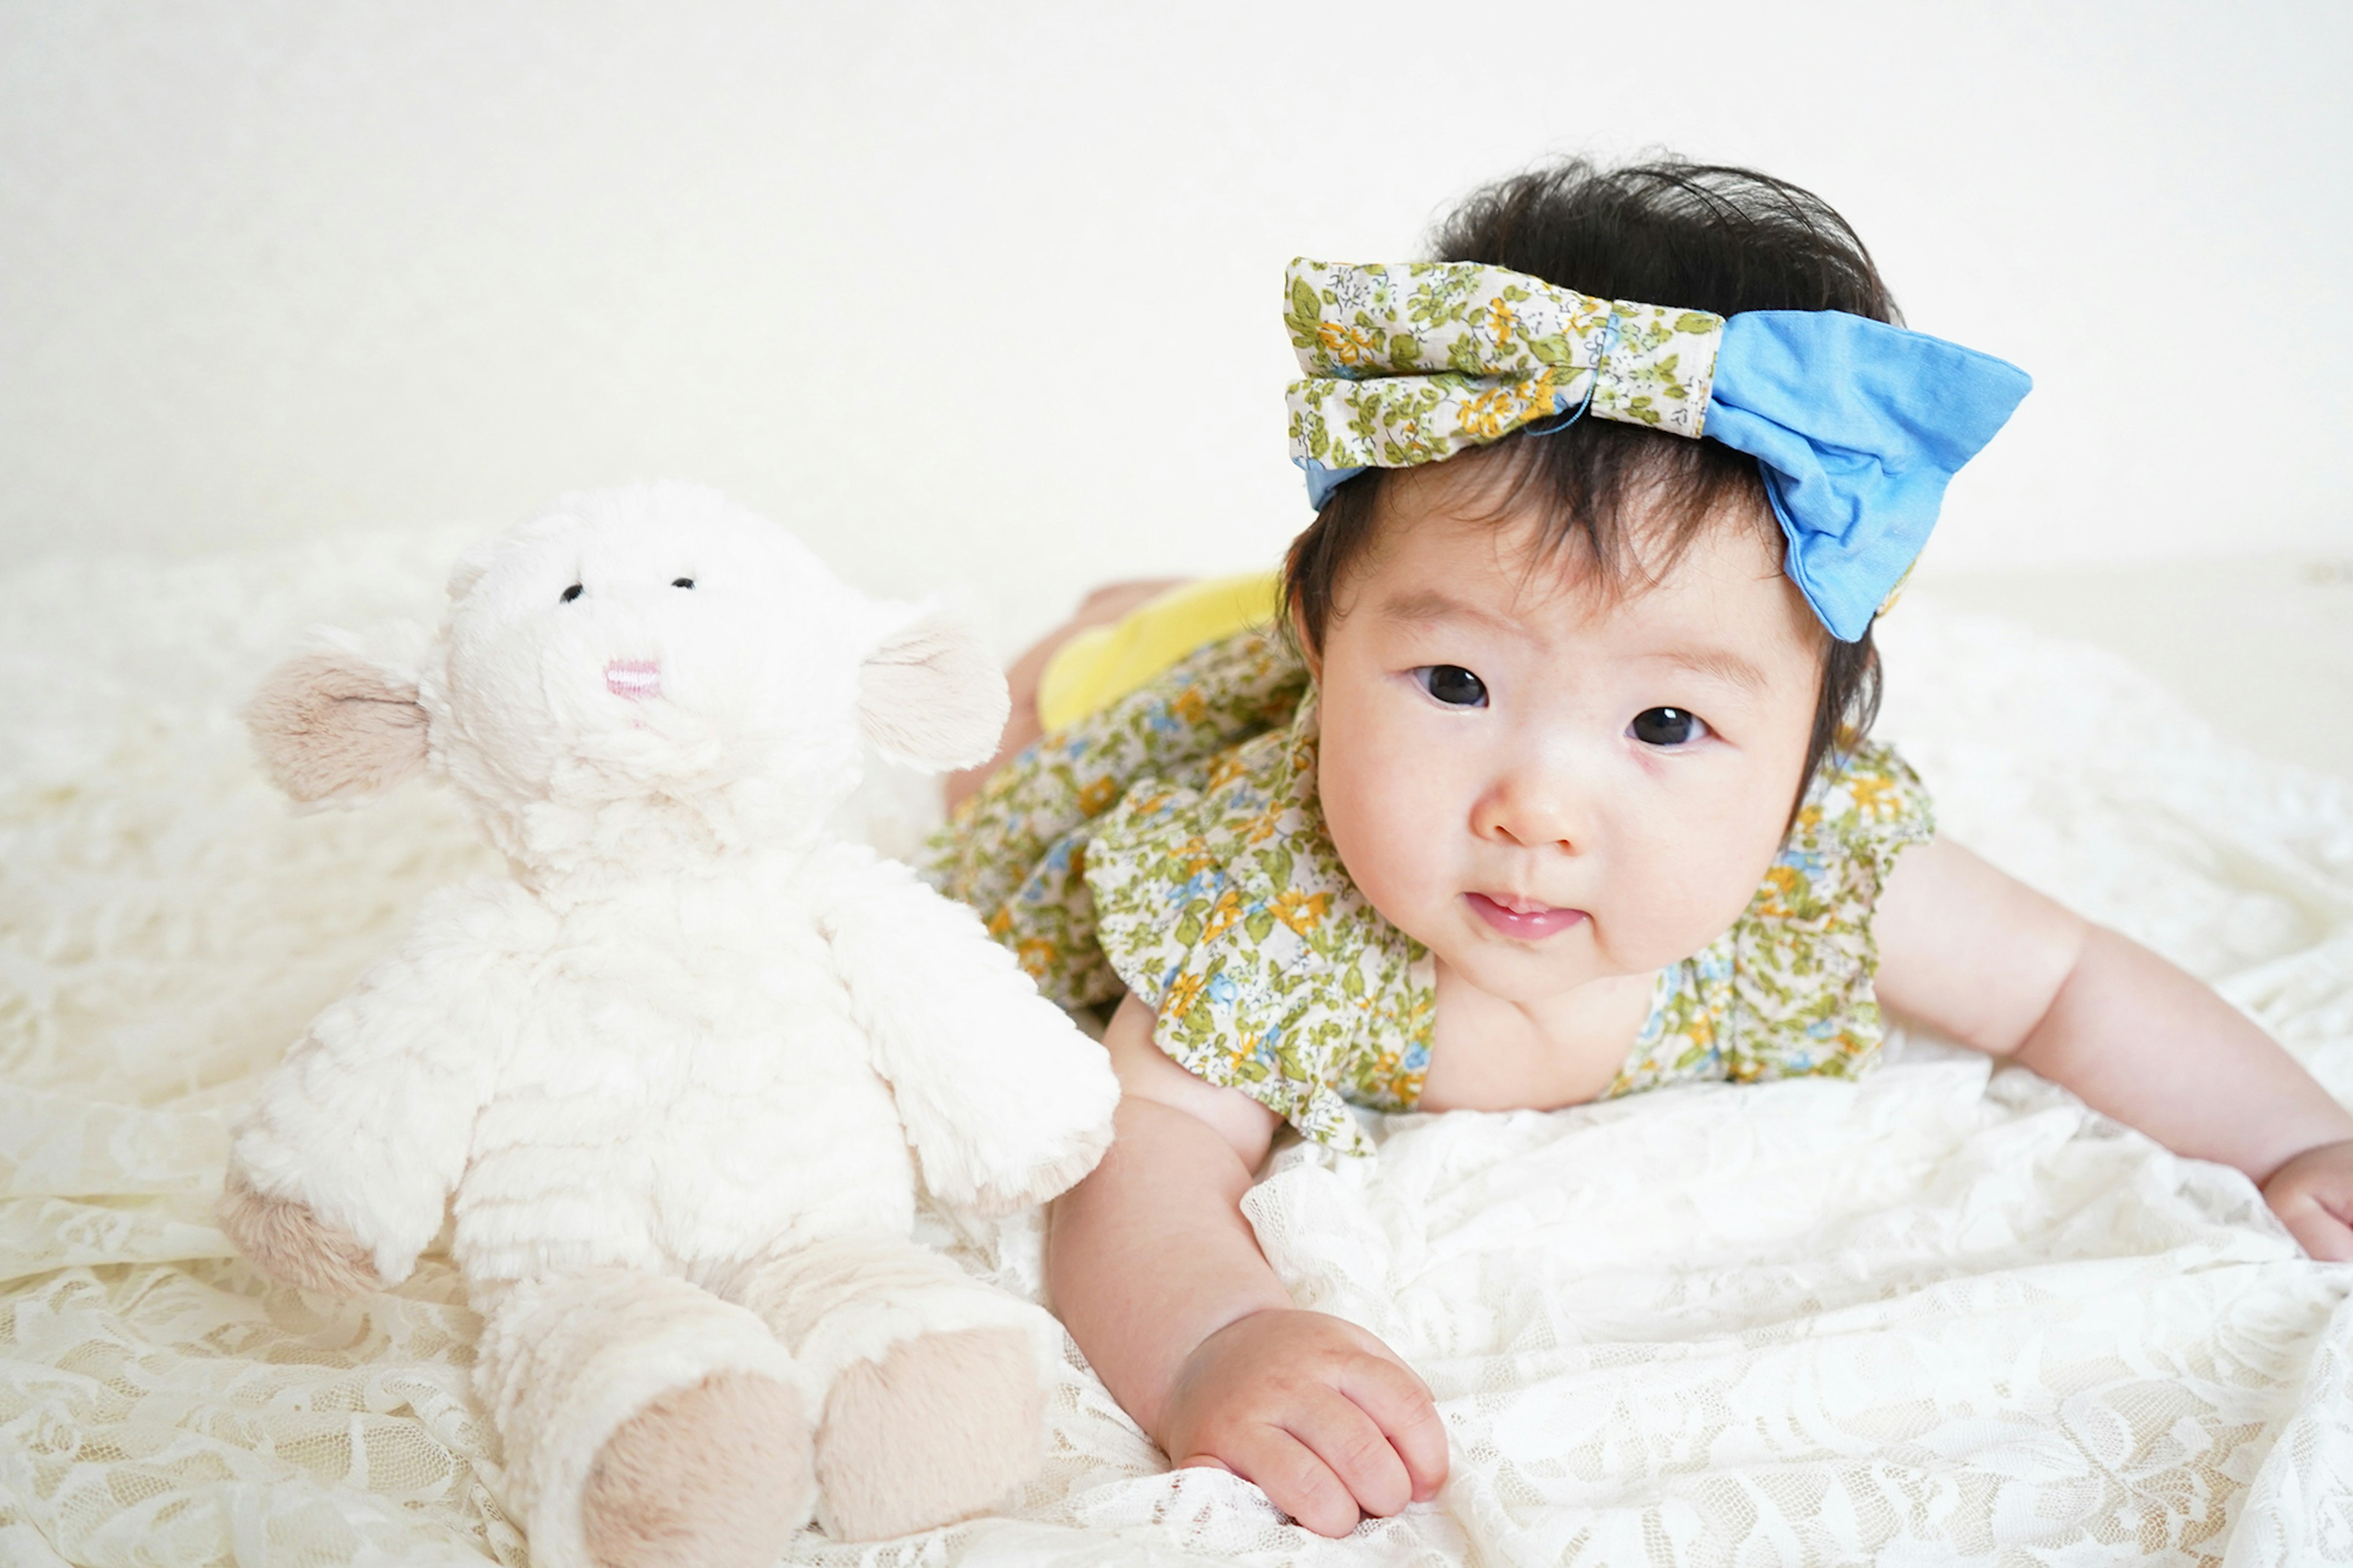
[
  {"x": 931, "y": 695},
  {"x": 340, "y": 721}
]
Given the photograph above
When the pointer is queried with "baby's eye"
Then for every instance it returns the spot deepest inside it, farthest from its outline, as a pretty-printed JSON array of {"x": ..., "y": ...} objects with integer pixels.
[
  {"x": 1667, "y": 726},
  {"x": 1453, "y": 685}
]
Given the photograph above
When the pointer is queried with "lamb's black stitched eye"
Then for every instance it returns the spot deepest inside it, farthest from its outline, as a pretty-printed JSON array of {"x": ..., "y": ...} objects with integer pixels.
[
  {"x": 682, "y": 582},
  {"x": 572, "y": 592}
]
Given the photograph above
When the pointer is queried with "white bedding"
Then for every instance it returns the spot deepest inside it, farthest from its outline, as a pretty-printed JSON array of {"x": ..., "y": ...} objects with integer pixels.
[{"x": 1935, "y": 1317}]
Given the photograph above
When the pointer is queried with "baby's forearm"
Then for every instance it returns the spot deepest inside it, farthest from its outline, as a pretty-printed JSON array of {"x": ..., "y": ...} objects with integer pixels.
[
  {"x": 1150, "y": 1254},
  {"x": 2142, "y": 1041}
]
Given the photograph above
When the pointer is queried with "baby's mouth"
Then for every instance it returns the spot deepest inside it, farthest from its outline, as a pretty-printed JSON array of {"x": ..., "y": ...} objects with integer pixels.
[{"x": 1524, "y": 919}]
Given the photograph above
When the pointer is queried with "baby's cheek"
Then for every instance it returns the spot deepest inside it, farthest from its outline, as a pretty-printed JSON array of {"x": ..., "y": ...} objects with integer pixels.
[
  {"x": 1666, "y": 921},
  {"x": 1387, "y": 835},
  {"x": 1702, "y": 876}
]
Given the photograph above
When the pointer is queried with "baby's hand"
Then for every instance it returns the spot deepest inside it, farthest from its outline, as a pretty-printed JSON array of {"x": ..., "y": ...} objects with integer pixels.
[
  {"x": 2313, "y": 1196},
  {"x": 1322, "y": 1415}
]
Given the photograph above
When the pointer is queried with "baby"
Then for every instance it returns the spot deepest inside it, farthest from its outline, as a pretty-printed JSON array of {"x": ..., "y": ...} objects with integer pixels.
[{"x": 1554, "y": 784}]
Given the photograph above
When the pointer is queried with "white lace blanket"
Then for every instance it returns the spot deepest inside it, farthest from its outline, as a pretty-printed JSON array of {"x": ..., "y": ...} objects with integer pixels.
[{"x": 1929, "y": 1318}]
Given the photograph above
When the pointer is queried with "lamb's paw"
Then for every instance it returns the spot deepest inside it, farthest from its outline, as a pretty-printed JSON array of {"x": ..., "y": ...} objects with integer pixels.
[
  {"x": 1050, "y": 1179},
  {"x": 288, "y": 1241},
  {"x": 715, "y": 1475},
  {"x": 939, "y": 1429}
]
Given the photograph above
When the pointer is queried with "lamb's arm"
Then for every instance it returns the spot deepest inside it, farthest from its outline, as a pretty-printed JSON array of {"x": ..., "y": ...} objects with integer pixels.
[
  {"x": 1004, "y": 1101},
  {"x": 340, "y": 1173}
]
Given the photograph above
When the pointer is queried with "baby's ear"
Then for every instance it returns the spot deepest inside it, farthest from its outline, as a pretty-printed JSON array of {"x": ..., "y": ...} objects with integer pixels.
[
  {"x": 931, "y": 695},
  {"x": 340, "y": 722}
]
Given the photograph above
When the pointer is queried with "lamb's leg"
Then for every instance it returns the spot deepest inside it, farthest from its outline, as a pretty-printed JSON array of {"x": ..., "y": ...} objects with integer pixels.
[
  {"x": 930, "y": 1385},
  {"x": 646, "y": 1422}
]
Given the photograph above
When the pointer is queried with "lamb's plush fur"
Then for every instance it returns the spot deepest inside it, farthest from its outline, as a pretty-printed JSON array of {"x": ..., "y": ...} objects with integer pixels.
[
  {"x": 886, "y": 1421},
  {"x": 676, "y": 1079},
  {"x": 683, "y": 1482},
  {"x": 338, "y": 724},
  {"x": 290, "y": 1242}
]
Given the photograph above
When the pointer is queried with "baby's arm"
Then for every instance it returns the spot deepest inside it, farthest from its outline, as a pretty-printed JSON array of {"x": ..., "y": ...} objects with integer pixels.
[
  {"x": 1160, "y": 1281},
  {"x": 1999, "y": 966}
]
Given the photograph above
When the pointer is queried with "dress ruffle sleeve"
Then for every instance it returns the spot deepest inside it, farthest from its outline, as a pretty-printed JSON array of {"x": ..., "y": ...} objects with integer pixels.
[
  {"x": 1789, "y": 991},
  {"x": 1225, "y": 909},
  {"x": 1017, "y": 851}
]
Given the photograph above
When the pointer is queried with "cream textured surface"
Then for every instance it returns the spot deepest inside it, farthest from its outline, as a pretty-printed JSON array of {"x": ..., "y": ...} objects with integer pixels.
[{"x": 1932, "y": 1317}]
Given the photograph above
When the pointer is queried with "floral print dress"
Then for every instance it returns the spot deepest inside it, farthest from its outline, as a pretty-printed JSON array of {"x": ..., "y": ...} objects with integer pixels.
[{"x": 1171, "y": 845}]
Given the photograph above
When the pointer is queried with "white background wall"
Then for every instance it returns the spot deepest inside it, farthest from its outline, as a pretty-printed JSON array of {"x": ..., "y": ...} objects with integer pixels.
[{"x": 987, "y": 294}]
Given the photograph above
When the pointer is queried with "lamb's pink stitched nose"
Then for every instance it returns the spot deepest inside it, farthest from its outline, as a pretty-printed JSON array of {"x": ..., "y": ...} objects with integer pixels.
[{"x": 633, "y": 678}]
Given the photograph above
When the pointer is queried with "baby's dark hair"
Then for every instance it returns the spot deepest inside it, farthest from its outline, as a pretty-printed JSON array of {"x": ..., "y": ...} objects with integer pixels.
[{"x": 1704, "y": 236}]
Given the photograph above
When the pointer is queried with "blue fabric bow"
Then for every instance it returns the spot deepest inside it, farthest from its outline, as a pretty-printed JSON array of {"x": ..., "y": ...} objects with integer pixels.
[{"x": 1857, "y": 427}]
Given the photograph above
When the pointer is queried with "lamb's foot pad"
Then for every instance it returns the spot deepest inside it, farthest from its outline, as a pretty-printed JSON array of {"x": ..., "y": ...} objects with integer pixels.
[
  {"x": 939, "y": 1429},
  {"x": 712, "y": 1475}
]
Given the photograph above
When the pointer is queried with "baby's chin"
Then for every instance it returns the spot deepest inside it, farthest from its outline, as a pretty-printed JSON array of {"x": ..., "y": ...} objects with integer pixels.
[{"x": 1524, "y": 973}]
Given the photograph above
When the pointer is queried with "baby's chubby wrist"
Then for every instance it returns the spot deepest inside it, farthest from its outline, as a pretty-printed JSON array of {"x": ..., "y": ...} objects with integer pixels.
[
  {"x": 1188, "y": 1365},
  {"x": 2317, "y": 1150},
  {"x": 1194, "y": 1368}
]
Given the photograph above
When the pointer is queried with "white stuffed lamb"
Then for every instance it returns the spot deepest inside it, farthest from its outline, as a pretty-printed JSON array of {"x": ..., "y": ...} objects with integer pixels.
[{"x": 676, "y": 1077}]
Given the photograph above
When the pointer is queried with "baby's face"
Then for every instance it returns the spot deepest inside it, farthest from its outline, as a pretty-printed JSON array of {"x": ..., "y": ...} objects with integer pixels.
[{"x": 1545, "y": 784}]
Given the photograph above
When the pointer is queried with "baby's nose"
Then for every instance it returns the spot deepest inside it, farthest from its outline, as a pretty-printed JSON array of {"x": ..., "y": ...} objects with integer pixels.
[
  {"x": 1534, "y": 806},
  {"x": 635, "y": 679}
]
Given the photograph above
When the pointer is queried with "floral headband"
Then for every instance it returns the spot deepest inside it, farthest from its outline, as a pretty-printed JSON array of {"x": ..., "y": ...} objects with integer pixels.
[{"x": 1857, "y": 426}]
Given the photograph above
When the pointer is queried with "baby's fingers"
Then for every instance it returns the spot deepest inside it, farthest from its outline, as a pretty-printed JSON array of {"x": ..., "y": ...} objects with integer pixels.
[
  {"x": 1357, "y": 1451},
  {"x": 1290, "y": 1475},
  {"x": 1400, "y": 1403}
]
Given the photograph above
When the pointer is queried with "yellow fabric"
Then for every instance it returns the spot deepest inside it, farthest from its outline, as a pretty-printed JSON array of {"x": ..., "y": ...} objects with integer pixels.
[{"x": 1103, "y": 664}]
